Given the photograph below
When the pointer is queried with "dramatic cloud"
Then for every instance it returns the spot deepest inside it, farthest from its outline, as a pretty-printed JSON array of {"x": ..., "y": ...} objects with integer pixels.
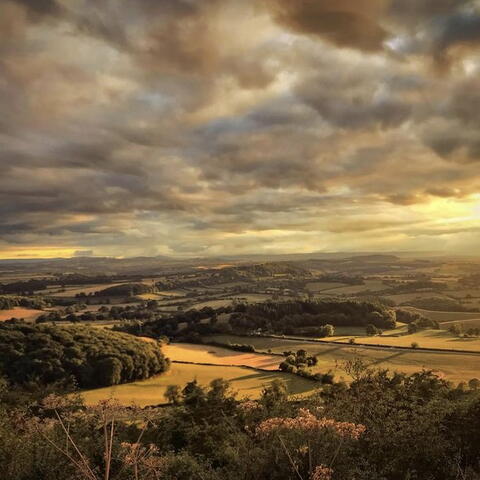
[{"x": 204, "y": 127}]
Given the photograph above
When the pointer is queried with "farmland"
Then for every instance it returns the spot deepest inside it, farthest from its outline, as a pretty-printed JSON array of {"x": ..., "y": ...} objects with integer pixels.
[
  {"x": 173, "y": 291},
  {"x": 247, "y": 382},
  {"x": 218, "y": 355},
  {"x": 28, "y": 314},
  {"x": 425, "y": 339},
  {"x": 454, "y": 367}
]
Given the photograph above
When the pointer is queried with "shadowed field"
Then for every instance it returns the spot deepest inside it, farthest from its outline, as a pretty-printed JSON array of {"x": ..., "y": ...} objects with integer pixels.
[
  {"x": 247, "y": 382},
  {"x": 455, "y": 367},
  {"x": 187, "y": 352}
]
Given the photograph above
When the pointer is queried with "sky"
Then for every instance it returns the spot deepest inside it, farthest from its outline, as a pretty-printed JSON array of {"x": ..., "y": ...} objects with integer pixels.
[{"x": 214, "y": 127}]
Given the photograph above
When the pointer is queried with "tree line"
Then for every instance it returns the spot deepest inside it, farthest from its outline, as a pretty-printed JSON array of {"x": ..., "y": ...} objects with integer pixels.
[
  {"x": 74, "y": 355},
  {"x": 304, "y": 317}
]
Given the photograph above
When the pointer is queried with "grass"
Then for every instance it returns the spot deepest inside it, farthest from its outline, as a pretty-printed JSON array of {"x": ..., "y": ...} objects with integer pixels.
[
  {"x": 424, "y": 338},
  {"x": 400, "y": 298},
  {"x": 223, "y": 302},
  {"x": 71, "y": 291},
  {"x": 373, "y": 285},
  {"x": 28, "y": 314},
  {"x": 442, "y": 317},
  {"x": 150, "y": 296},
  {"x": 222, "y": 356},
  {"x": 465, "y": 324},
  {"x": 248, "y": 383},
  {"x": 455, "y": 367},
  {"x": 321, "y": 286}
]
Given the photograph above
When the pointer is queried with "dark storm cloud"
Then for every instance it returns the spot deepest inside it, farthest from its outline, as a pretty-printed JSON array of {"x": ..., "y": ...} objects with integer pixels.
[
  {"x": 40, "y": 7},
  {"x": 203, "y": 125},
  {"x": 460, "y": 28},
  {"x": 347, "y": 23},
  {"x": 412, "y": 12}
]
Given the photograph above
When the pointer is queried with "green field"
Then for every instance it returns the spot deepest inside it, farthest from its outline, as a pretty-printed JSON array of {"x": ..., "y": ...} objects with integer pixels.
[
  {"x": 224, "y": 302},
  {"x": 188, "y": 352},
  {"x": 401, "y": 298},
  {"x": 321, "y": 286},
  {"x": 71, "y": 291},
  {"x": 425, "y": 339},
  {"x": 442, "y": 317},
  {"x": 456, "y": 367},
  {"x": 372, "y": 285},
  {"x": 247, "y": 382},
  {"x": 465, "y": 324}
]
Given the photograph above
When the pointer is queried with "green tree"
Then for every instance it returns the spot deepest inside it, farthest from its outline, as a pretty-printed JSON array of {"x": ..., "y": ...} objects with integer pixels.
[
  {"x": 371, "y": 330},
  {"x": 173, "y": 394}
]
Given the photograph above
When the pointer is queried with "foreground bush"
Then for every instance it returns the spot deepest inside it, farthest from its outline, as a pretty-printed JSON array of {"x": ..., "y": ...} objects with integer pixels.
[{"x": 383, "y": 426}]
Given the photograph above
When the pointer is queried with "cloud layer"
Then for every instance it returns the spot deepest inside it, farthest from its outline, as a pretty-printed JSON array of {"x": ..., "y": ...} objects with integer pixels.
[{"x": 205, "y": 127}]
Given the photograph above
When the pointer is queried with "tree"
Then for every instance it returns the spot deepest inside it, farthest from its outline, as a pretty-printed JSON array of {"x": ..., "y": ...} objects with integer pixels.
[
  {"x": 109, "y": 371},
  {"x": 274, "y": 394},
  {"x": 193, "y": 394},
  {"x": 474, "y": 384},
  {"x": 371, "y": 330},
  {"x": 329, "y": 330},
  {"x": 173, "y": 394},
  {"x": 412, "y": 327}
]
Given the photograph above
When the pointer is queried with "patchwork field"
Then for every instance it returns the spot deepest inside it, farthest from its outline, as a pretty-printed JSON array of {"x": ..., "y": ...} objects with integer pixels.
[
  {"x": 456, "y": 367},
  {"x": 370, "y": 285},
  {"x": 28, "y": 314},
  {"x": 223, "y": 302},
  {"x": 208, "y": 354},
  {"x": 424, "y": 338},
  {"x": 71, "y": 291},
  {"x": 321, "y": 286},
  {"x": 401, "y": 298},
  {"x": 465, "y": 324},
  {"x": 247, "y": 382},
  {"x": 443, "y": 317}
]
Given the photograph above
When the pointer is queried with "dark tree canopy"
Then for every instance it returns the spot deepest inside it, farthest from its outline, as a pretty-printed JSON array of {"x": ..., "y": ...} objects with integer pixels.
[{"x": 86, "y": 356}]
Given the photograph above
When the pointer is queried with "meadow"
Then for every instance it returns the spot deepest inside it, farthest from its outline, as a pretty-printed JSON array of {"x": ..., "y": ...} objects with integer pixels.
[
  {"x": 425, "y": 339},
  {"x": 188, "y": 352},
  {"x": 442, "y": 317},
  {"x": 456, "y": 367},
  {"x": 372, "y": 285},
  {"x": 247, "y": 382},
  {"x": 71, "y": 291},
  {"x": 28, "y": 314},
  {"x": 322, "y": 286}
]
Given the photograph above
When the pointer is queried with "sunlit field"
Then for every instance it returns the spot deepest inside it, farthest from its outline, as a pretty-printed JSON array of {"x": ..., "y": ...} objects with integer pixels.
[
  {"x": 27, "y": 314},
  {"x": 247, "y": 382},
  {"x": 424, "y": 339},
  {"x": 455, "y": 367},
  {"x": 222, "y": 356}
]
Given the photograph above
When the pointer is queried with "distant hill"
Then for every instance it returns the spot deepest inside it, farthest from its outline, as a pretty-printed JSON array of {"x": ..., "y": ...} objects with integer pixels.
[{"x": 124, "y": 289}]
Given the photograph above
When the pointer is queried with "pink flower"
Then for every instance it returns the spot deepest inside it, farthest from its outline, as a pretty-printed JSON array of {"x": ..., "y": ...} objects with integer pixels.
[
  {"x": 321, "y": 473},
  {"x": 307, "y": 422},
  {"x": 249, "y": 405}
]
